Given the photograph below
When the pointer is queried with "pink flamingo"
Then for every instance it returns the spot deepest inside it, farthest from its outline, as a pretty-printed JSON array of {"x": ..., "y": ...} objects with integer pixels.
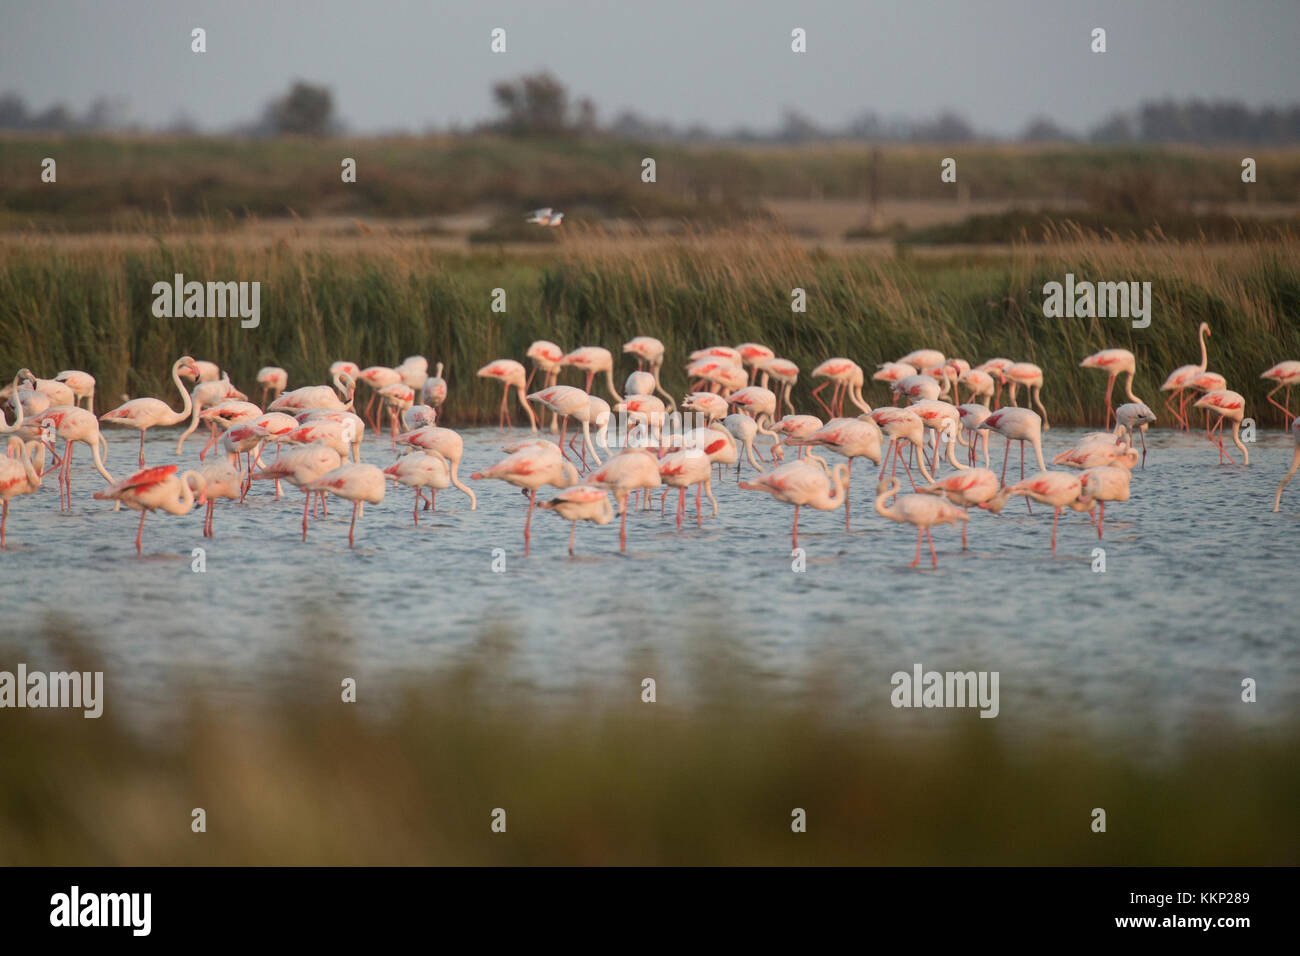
[
  {"x": 75, "y": 424},
  {"x": 1031, "y": 377},
  {"x": 649, "y": 352},
  {"x": 205, "y": 395},
  {"x": 450, "y": 446},
  {"x": 1229, "y": 406},
  {"x": 680, "y": 470},
  {"x": 202, "y": 372},
  {"x": 1105, "y": 484},
  {"x": 1135, "y": 417},
  {"x": 974, "y": 486},
  {"x": 922, "y": 511},
  {"x": 785, "y": 373},
  {"x": 154, "y": 488},
  {"x": 530, "y": 468},
  {"x": 591, "y": 359},
  {"x": 1295, "y": 463},
  {"x": 334, "y": 399},
  {"x": 997, "y": 368},
  {"x": 220, "y": 480},
  {"x": 847, "y": 378},
  {"x": 420, "y": 469},
  {"x": 852, "y": 438},
  {"x": 922, "y": 359},
  {"x": 632, "y": 469},
  {"x": 377, "y": 376},
  {"x": 274, "y": 380},
  {"x": 300, "y": 467},
  {"x": 1022, "y": 425},
  {"x": 1180, "y": 378},
  {"x": 902, "y": 425},
  {"x": 145, "y": 413},
  {"x": 1055, "y": 488},
  {"x": 511, "y": 375},
  {"x": 434, "y": 391},
  {"x": 1285, "y": 374},
  {"x": 568, "y": 402},
  {"x": 582, "y": 503},
  {"x": 802, "y": 484},
  {"x": 1114, "y": 362},
  {"x": 20, "y": 475},
  {"x": 359, "y": 484},
  {"x": 754, "y": 355},
  {"x": 82, "y": 385}
]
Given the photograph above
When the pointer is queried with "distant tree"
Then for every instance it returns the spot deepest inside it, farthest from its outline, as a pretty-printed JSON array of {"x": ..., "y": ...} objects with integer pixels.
[
  {"x": 306, "y": 110},
  {"x": 947, "y": 128},
  {"x": 1044, "y": 130},
  {"x": 798, "y": 128},
  {"x": 535, "y": 104},
  {"x": 1117, "y": 128}
]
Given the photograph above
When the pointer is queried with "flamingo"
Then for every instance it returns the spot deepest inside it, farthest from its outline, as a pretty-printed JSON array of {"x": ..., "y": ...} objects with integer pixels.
[
  {"x": 377, "y": 376},
  {"x": 754, "y": 355},
  {"x": 511, "y": 375},
  {"x": 974, "y": 486},
  {"x": 852, "y": 438},
  {"x": 145, "y": 413},
  {"x": 1055, "y": 488},
  {"x": 920, "y": 388},
  {"x": 531, "y": 468},
  {"x": 650, "y": 351},
  {"x": 785, "y": 373},
  {"x": 153, "y": 488},
  {"x": 1181, "y": 377},
  {"x": 794, "y": 427},
  {"x": 57, "y": 392},
  {"x": 546, "y": 216},
  {"x": 567, "y": 402},
  {"x": 891, "y": 373},
  {"x": 1229, "y": 406},
  {"x": 630, "y": 470},
  {"x": 395, "y": 399},
  {"x": 944, "y": 419},
  {"x": 922, "y": 511},
  {"x": 1135, "y": 417},
  {"x": 582, "y": 503},
  {"x": 274, "y": 380},
  {"x": 204, "y": 395},
  {"x": 300, "y": 466},
  {"x": 743, "y": 429},
  {"x": 997, "y": 368},
  {"x": 202, "y": 372},
  {"x": 334, "y": 399},
  {"x": 922, "y": 359},
  {"x": 802, "y": 484},
  {"x": 450, "y": 446},
  {"x": 1105, "y": 484},
  {"x": 1031, "y": 377},
  {"x": 755, "y": 401},
  {"x": 680, "y": 470},
  {"x": 414, "y": 371},
  {"x": 591, "y": 359},
  {"x": 979, "y": 383},
  {"x": 357, "y": 483},
  {"x": 1099, "y": 452},
  {"x": 82, "y": 385},
  {"x": 548, "y": 358},
  {"x": 1114, "y": 362},
  {"x": 1022, "y": 425},
  {"x": 1295, "y": 463},
  {"x": 221, "y": 479},
  {"x": 420, "y": 469},
  {"x": 20, "y": 475},
  {"x": 434, "y": 391},
  {"x": 902, "y": 425},
  {"x": 75, "y": 424},
  {"x": 847, "y": 377},
  {"x": 1285, "y": 374}
]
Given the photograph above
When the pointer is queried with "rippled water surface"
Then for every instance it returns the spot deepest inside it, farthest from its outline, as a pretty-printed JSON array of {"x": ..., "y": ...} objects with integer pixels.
[{"x": 1200, "y": 590}]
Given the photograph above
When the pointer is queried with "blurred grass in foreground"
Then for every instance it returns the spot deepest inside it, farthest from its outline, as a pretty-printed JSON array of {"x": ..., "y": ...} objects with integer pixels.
[
  {"x": 592, "y": 778},
  {"x": 89, "y": 306}
]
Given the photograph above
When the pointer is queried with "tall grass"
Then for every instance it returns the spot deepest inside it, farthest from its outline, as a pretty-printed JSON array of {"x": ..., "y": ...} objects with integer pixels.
[
  {"x": 88, "y": 305},
  {"x": 411, "y": 773}
]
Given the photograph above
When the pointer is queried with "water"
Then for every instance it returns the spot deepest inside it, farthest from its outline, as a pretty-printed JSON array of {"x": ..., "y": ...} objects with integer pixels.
[{"x": 1199, "y": 591}]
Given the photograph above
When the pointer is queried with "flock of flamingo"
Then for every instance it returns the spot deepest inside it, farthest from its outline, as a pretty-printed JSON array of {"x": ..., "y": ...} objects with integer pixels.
[{"x": 741, "y": 400}]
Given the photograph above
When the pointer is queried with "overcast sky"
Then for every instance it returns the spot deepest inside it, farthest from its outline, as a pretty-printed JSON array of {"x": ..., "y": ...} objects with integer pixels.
[{"x": 724, "y": 63}]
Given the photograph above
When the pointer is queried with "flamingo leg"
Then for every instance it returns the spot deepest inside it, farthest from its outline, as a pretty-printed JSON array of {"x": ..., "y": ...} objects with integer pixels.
[
  {"x": 306, "y": 500},
  {"x": 1056, "y": 516},
  {"x": 139, "y": 549},
  {"x": 1284, "y": 409},
  {"x": 573, "y": 529},
  {"x": 622, "y": 530},
  {"x": 795, "y": 533},
  {"x": 4, "y": 520},
  {"x": 846, "y": 495},
  {"x": 934, "y": 558},
  {"x": 1110, "y": 412},
  {"x": 699, "y": 490},
  {"x": 352, "y": 528},
  {"x": 1005, "y": 456},
  {"x": 1101, "y": 516},
  {"x": 415, "y": 509},
  {"x": 528, "y": 522},
  {"x": 816, "y": 393},
  {"x": 142, "y": 431},
  {"x": 963, "y": 530},
  {"x": 917, "y": 559}
]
